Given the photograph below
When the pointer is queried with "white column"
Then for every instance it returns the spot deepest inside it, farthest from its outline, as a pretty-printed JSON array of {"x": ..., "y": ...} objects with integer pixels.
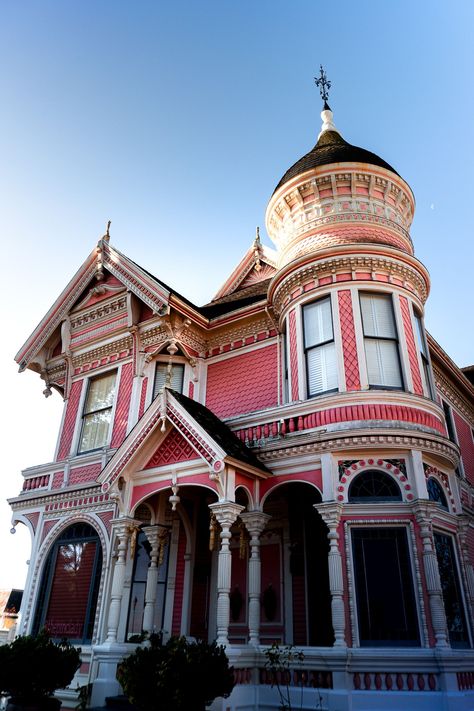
[
  {"x": 123, "y": 528},
  {"x": 226, "y": 513},
  {"x": 424, "y": 513},
  {"x": 157, "y": 537},
  {"x": 255, "y": 522},
  {"x": 331, "y": 514}
]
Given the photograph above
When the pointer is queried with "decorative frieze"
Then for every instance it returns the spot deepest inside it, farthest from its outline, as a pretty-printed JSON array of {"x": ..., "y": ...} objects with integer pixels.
[
  {"x": 99, "y": 312},
  {"x": 307, "y": 277},
  {"x": 102, "y": 355}
]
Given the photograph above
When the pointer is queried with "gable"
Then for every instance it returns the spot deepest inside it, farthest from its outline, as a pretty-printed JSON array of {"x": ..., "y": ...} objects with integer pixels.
[
  {"x": 258, "y": 264},
  {"x": 174, "y": 448},
  {"x": 105, "y": 272}
]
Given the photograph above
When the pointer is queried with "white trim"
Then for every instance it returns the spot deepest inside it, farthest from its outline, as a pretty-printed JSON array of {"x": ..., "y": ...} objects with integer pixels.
[{"x": 336, "y": 322}]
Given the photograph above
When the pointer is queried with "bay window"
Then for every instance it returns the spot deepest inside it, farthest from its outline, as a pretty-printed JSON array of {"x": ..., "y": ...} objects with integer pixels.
[
  {"x": 320, "y": 350},
  {"x": 381, "y": 341},
  {"x": 97, "y": 412}
]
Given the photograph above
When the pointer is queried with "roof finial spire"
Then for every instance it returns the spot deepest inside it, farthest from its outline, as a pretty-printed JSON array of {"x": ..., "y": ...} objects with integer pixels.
[
  {"x": 324, "y": 85},
  {"x": 326, "y": 114},
  {"x": 106, "y": 237}
]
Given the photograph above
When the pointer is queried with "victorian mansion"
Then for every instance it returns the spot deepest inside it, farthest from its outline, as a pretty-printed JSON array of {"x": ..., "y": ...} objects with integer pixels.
[{"x": 291, "y": 463}]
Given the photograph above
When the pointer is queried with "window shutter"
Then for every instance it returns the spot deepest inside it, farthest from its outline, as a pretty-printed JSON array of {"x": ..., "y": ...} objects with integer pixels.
[
  {"x": 318, "y": 323},
  {"x": 177, "y": 377},
  {"x": 322, "y": 369},
  {"x": 383, "y": 367},
  {"x": 377, "y": 315}
]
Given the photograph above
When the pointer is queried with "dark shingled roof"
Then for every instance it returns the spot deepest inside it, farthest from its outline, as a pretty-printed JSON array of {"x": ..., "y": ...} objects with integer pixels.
[
  {"x": 218, "y": 430},
  {"x": 237, "y": 300},
  {"x": 332, "y": 148}
]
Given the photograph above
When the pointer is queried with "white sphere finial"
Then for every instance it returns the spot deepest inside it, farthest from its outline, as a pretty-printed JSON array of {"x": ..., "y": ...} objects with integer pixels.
[{"x": 328, "y": 124}]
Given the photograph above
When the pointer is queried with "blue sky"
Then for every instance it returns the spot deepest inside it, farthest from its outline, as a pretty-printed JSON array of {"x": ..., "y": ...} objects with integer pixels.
[{"x": 177, "y": 120}]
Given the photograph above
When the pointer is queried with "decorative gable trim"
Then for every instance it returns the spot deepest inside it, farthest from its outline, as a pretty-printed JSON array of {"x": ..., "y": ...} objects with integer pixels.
[
  {"x": 164, "y": 408},
  {"x": 258, "y": 258},
  {"x": 147, "y": 289}
]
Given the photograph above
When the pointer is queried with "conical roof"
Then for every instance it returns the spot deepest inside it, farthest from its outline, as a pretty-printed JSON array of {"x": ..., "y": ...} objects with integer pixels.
[{"x": 332, "y": 148}]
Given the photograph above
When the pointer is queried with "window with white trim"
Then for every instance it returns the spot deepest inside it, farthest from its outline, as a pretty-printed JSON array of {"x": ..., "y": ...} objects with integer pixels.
[
  {"x": 97, "y": 412},
  {"x": 161, "y": 374},
  {"x": 319, "y": 346},
  {"x": 380, "y": 341},
  {"x": 424, "y": 353}
]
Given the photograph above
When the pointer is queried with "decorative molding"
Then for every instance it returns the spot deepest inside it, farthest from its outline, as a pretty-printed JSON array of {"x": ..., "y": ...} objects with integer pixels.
[
  {"x": 98, "y": 312},
  {"x": 446, "y": 388},
  {"x": 396, "y": 468},
  {"x": 103, "y": 352},
  {"x": 362, "y": 441},
  {"x": 239, "y": 334},
  {"x": 284, "y": 291}
]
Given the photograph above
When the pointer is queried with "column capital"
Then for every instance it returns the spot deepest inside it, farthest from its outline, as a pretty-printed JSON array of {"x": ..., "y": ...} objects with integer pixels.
[
  {"x": 255, "y": 521},
  {"x": 226, "y": 512},
  {"x": 424, "y": 510},
  {"x": 125, "y": 525},
  {"x": 330, "y": 512}
]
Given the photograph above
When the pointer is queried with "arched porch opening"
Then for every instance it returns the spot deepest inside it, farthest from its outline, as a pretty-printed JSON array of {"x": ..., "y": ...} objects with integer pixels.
[
  {"x": 296, "y": 602},
  {"x": 174, "y": 569}
]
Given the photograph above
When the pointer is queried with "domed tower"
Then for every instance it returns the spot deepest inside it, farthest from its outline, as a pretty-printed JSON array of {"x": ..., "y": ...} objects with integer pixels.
[
  {"x": 349, "y": 292},
  {"x": 349, "y": 298}
]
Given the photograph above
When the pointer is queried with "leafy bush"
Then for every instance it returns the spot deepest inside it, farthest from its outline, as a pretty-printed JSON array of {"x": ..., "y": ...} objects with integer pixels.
[
  {"x": 178, "y": 675},
  {"x": 32, "y": 668}
]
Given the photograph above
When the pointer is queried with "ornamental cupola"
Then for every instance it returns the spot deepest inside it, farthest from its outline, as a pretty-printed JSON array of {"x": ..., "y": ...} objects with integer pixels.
[{"x": 338, "y": 194}]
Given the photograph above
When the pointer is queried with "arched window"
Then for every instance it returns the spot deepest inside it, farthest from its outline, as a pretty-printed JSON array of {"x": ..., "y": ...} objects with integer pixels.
[
  {"x": 436, "y": 493},
  {"x": 373, "y": 486},
  {"x": 69, "y": 586}
]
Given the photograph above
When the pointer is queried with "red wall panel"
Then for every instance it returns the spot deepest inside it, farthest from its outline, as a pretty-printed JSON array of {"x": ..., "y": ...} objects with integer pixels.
[
  {"x": 466, "y": 445},
  {"x": 245, "y": 383},
  {"x": 70, "y": 419}
]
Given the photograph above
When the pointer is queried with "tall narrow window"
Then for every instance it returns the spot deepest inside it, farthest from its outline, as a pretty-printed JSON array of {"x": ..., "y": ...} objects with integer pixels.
[
  {"x": 320, "y": 351},
  {"x": 386, "y": 608},
  {"x": 97, "y": 413},
  {"x": 425, "y": 358},
  {"x": 69, "y": 588},
  {"x": 161, "y": 373},
  {"x": 381, "y": 341},
  {"x": 452, "y": 598}
]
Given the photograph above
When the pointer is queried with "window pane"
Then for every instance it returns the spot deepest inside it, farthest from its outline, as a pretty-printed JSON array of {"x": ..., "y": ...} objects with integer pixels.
[
  {"x": 450, "y": 585},
  {"x": 420, "y": 335},
  {"x": 69, "y": 595},
  {"x": 322, "y": 369},
  {"x": 318, "y": 322},
  {"x": 383, "y": 366},
  {"x": 95, "y": 430},
  {"x": 177, "y": 377},
  {"x": 377, "y": 315},
  {"x": 100, "y": 393},
  {"x": 384, "y": 588}
]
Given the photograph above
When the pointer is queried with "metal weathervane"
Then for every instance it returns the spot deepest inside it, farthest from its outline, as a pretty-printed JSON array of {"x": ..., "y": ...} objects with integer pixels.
[{"x": 323, "y": 83}]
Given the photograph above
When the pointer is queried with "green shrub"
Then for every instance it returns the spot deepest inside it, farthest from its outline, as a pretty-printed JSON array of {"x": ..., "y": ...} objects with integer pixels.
[
  {"x": 176, "y": 676},
  {"x": 32, "y": 668}
]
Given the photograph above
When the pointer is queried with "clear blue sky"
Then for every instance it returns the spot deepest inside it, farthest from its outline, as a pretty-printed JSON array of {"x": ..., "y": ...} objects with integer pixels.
[{"x": 177, "y": 119}]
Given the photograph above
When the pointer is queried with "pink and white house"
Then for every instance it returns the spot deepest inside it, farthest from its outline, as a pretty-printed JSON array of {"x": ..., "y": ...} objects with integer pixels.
[{"x": 292, "y": 462}]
